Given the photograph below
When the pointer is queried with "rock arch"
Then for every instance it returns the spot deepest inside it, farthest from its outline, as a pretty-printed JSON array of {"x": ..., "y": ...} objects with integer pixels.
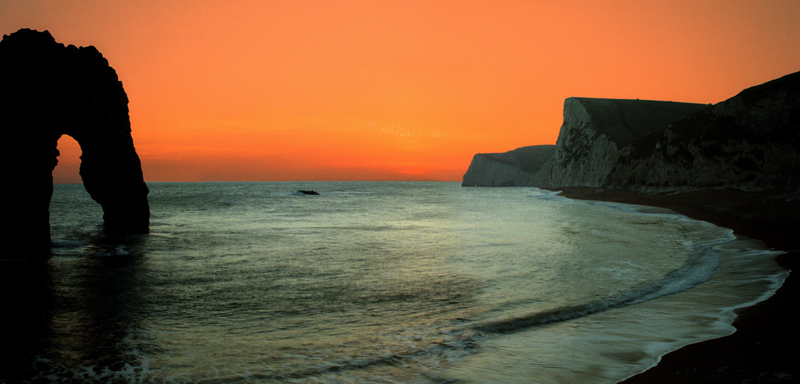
[{"x": 48, "y": 90}]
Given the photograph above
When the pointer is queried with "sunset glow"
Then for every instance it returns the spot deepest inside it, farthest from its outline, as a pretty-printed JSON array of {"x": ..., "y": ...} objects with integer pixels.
[{"x": 395, "y": 90}]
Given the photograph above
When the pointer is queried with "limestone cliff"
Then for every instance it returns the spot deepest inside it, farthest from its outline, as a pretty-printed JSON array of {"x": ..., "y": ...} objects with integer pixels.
[
  {"x": 595, "y": 130},
  {"x": 517, "y": 168},
  {"x": 48, "y": 90}
]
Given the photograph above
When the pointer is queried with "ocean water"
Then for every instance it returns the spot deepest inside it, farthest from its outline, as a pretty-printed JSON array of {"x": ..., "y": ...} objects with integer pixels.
[{"x": 375, "y": 282}]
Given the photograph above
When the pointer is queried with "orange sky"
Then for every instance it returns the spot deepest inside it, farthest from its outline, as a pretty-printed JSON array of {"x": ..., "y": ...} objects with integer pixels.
[{"x": 395, "y": 90}]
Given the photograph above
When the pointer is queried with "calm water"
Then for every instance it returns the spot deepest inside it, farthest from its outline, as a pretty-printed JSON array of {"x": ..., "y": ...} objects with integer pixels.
[{"x": 375, "y": 282}]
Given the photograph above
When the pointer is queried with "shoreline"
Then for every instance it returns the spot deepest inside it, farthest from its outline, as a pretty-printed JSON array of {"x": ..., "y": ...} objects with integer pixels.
[{"x": 766, "y": 345}]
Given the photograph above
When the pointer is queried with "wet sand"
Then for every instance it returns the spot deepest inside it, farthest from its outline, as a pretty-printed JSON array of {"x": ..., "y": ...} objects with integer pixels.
[{"x": 766, "y": 345}]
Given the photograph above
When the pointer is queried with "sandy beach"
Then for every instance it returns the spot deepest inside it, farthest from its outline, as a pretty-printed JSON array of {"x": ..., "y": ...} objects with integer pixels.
[{"x": 766, "y": 346}]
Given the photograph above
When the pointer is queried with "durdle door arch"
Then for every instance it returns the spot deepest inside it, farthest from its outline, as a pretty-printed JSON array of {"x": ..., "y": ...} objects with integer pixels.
[{"x": 49, "y": 90}]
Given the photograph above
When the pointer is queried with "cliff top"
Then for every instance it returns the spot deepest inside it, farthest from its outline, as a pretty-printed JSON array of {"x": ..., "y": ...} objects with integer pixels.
[
  {"x": 528, "y": 159},
  {"x": 626, "y": 120}
]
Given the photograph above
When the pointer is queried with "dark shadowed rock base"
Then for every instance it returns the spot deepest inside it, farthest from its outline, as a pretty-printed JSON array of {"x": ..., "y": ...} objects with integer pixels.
[{"x": 766, "y": 345}]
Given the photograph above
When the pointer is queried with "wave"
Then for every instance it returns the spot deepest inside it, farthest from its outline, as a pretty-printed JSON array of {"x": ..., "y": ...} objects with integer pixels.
[
  {"x": 697, "y": 270},
  {"x": 700, "y": 266}
]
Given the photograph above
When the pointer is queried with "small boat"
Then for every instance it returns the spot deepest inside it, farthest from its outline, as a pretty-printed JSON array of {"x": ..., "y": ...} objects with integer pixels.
[{"x": 308, "y": 192}]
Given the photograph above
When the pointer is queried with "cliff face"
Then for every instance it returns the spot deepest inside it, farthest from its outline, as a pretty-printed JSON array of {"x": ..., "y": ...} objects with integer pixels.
[
  {"x": 49, "y": 90},
  {"x": 595, "y": 130},
  {"x": 750, "y": 141},
  {"x": 518, "y": 168}
]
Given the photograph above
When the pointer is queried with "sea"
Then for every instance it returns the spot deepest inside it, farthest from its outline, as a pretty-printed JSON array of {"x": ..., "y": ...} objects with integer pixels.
[{"x": 372, "y": 282}]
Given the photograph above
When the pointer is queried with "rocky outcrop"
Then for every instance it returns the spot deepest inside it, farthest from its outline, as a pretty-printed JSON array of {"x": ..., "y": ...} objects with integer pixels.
[
  {"x": 596, "y": 130},
  {"x": 518, "y": 168},
  {"x": 750, "y": 141},
  {"x": 49, "y": 90}
]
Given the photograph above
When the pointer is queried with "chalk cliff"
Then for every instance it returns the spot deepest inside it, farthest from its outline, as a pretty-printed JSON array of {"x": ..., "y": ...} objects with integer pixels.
[
  {"x": 750, "y": 142},
  {"x": 518, "y": 168},
  {"x": 49, "y": 90},
  {"x": 595, "y": 130}
]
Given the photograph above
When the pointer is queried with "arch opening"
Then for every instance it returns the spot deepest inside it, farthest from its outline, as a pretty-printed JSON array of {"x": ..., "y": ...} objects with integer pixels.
[{"x": 67, "y": 170}]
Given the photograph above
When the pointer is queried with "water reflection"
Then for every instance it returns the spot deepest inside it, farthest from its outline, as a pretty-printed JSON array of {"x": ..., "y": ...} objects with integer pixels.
[
  {"x": 27, "y": 301},
  {"x": 74, "y": 313}
]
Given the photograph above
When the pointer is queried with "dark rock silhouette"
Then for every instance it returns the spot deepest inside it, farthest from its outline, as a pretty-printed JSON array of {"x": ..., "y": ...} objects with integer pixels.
[
  {"x": 750, "y": 141},
  {"x": 49, "y": 90},
  {"x": 308, "y": 192}
]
